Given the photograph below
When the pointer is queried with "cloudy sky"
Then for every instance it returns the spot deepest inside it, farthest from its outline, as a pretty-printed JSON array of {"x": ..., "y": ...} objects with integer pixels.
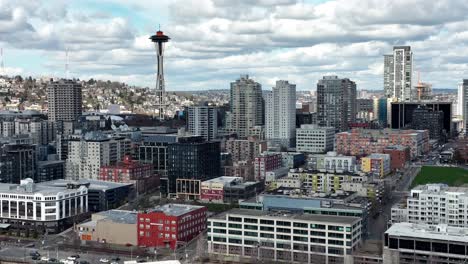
[{"x": 214, "y": 41}]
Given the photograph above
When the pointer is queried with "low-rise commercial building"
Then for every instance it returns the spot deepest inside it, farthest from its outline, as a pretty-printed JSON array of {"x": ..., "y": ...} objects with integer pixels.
[
  {"x": 287, "y": 237},
  {"x": 407, "y": 243},
  {"x": 376, "y": 164},
  {"x": 170, "y": 225},
  {"x": 113, "y": 227},
  {"x": 291, "y": 160},
  {"x": 30, "y": 209},
  {"x": 229, "y": 189},
  {"x": 399, "y": 156},
  {"x": 265, "y": 163},
  {"x": 102, "y": 195},
  {"x": 130, "y": 171},
  {"x": 319, "y": 204},
  {"x": 314, "y": 139}
]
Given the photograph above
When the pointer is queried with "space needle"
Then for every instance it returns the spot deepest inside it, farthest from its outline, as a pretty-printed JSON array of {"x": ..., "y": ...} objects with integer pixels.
[{"x": 159, "y": 39}]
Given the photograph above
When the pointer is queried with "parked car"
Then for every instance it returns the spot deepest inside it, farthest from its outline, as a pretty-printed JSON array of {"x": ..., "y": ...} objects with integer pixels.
[
  {"x": 104, "y": 260},
  {"x": 45, "y": 258},
  {"x": 73, "y": 257}
]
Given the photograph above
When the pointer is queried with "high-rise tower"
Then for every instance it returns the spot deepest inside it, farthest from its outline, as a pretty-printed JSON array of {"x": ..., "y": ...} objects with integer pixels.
[
  {"x": 280, "y": 114},
  {"x": 246, "y": 105},
  {"x": 336, "y": 102},
  {"x": 398, "y": 69},
  {"x": 159, "y": 39}
]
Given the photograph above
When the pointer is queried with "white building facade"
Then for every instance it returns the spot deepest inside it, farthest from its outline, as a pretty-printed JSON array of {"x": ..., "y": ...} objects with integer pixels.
[
  {"x": 462, "y": 104},
  {"x": 406, "y": 243},
  {"x": 280, "y": 114},
  {"x": 284, "y": 237},
  {"x": 434, "y": 204},
  {"x": 398, "y": 70},
  {"x": 203, "y": 121},
  {"x": 315, "y": 139},
  {"x": 86, "y": 156},
  {"x": 39, "y": 206}
]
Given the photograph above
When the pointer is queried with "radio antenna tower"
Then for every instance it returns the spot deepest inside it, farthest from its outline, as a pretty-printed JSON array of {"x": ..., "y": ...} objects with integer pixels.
[
  {"x": 2, "y": 65},
  {"x": 66, "y": 64}
]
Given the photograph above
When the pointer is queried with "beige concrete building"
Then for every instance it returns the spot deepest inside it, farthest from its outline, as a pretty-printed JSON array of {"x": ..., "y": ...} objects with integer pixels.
[
  {"x": 113, "y": 227},
  {"x": 245, "y": 149}
]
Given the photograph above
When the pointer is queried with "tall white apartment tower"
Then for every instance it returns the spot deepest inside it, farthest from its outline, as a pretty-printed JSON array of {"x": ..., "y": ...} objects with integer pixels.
[
  {"x": 203, "y": 121},
  {"x": 280, "y": 114},
  {"x": 462, "y": 104},
  {"x": 64, "y": 100},
  {"x": 398, "y": 69}
]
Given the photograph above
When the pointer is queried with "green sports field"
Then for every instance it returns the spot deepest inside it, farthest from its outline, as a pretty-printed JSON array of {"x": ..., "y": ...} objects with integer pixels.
[{"x": 452, "y": 176}]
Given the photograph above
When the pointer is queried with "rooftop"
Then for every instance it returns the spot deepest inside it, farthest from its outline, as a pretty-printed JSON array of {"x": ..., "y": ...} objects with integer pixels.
[
  {"x": 175, "y": 209},
  {"x": 439, "y": 232},
  {"x": 119, "y": 216},
  {"x": 439, "y": 188},
  {"x": 91, "y": 184},
  {"x": 378, "y": 156},
  {"x": 225, "y": 180},
  {"x": 289, "y": 216},
  {"x": 35, "y": 188},
  {"x": 396, "y": 147}
]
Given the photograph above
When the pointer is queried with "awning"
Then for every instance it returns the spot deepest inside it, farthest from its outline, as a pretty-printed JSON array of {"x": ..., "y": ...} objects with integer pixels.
[{"x": 3, "y": 226}]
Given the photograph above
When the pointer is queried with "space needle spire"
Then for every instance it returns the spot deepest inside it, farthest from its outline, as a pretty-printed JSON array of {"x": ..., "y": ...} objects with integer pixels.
[{"x": 159, "y": 39}]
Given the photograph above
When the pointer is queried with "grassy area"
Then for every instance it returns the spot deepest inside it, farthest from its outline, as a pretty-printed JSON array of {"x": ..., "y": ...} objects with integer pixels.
[
  {"x": 218, "y": 208},
  {"x": 452, "y": 176}
]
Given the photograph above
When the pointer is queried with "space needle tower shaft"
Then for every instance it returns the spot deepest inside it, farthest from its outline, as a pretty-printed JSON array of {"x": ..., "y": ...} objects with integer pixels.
[{"x": 159, "y": 41}]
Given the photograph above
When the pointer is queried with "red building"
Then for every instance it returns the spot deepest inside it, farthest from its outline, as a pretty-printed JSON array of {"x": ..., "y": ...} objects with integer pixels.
[
  {"x": 399, "y": 156},
  {"x": 363, "y": 142},
  {"x": 130, "y": 171},
  {"x": 265, "y": 163},
  {"x": 170, "y": 225}
]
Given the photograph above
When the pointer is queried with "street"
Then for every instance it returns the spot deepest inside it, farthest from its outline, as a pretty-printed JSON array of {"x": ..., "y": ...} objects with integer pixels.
[{"x": 378, "y": 225}]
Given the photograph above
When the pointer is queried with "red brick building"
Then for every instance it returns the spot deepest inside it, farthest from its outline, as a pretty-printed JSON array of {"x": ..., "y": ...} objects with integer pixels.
[
  {"x": 265, "y": 163},
  {"x": 363, "y": 142},
  {"x": 170, "y": 225},
  {"x": 399, "y": 156},
  {"x": 130, "y": 171}
]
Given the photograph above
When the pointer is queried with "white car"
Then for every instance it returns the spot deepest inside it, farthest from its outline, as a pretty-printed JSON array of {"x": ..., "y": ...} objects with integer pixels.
[
  {"x": 104, "y": 260},
  {"x": 45, "y": 258}
]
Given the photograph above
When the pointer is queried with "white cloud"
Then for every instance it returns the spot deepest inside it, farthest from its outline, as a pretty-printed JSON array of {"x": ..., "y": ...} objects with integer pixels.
[{"x": 213, "y": 41}]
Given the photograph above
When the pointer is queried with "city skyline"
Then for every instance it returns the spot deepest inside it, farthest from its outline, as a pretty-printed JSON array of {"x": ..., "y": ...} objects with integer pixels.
[{"x": 213, "y": 44}]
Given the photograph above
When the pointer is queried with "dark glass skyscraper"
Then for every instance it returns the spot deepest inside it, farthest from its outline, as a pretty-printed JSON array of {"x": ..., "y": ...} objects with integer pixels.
[{"x": 192, "y": 158}]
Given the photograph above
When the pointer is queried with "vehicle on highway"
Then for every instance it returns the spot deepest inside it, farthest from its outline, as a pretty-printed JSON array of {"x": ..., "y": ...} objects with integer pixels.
[{"x": 104, "y": 260}]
